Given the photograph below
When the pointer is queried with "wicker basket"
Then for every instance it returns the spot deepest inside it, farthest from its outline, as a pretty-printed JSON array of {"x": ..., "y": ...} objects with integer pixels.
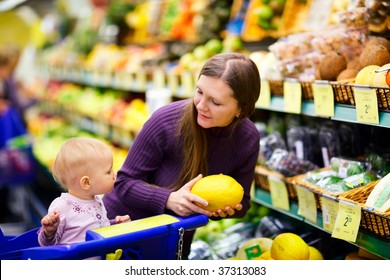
[
  {"x": 372, "y": 221},
  {"x": 343, "y": 92},
  {"x": 261, "y": 181},
  {"x": 276, "y": 87},
  {"x": 307, "y": 91}
]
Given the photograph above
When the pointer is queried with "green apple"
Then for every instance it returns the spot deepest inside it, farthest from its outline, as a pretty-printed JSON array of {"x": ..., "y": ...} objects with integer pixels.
[
  {"x": 200, "y": 52},
  {"x": 232, "y": 44},
  {"x": 265, "y": 13},
  {"x": 213, "y": 46}
]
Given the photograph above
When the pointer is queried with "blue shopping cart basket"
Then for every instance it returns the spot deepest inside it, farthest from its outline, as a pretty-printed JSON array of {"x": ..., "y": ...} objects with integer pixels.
[{"x": 153, "y": 238}]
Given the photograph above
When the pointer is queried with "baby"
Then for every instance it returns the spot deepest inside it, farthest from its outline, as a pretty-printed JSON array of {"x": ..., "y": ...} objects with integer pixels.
[{"x": 83, "y": 167}]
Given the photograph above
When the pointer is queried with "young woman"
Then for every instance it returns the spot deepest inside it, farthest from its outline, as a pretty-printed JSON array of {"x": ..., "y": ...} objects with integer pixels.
[{"x": 210, "y": 133}]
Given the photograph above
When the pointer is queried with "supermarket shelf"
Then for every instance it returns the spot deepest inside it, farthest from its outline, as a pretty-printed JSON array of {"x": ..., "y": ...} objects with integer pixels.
[
  {"x": 364, "y": 240},
  {"x": 341, "y": 112}
]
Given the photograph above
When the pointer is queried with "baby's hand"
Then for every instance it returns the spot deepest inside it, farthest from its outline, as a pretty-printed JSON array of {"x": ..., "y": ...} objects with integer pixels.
[
  {"x": 50, "y": 223},
  {"x": 122, "y": 219}
]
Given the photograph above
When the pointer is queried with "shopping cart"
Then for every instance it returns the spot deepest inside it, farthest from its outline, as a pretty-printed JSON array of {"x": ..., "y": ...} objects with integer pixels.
[{"x": 155, "y": 238}]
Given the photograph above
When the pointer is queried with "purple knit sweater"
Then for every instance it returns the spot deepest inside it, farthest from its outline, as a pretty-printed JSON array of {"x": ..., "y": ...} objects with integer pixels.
[{"x": 154, "y": 158}]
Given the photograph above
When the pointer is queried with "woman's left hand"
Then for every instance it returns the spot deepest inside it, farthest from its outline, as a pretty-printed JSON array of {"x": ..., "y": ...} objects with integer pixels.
[
  {"x": 184, "y": 203},
  {"x": 228, "y": 211}
]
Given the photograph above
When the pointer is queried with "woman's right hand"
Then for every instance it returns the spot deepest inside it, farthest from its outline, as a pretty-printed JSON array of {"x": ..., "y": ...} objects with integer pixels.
[{"x": 183, "y": 202}]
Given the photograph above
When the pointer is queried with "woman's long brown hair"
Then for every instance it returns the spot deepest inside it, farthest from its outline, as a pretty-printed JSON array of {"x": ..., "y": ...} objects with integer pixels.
[{"x": 242, "y": 75}]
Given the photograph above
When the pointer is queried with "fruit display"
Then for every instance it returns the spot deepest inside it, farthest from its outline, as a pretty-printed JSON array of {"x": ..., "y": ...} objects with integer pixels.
[
  {"x": 108, "y": 106},
  {"x": 219, "y": 190},
  {"x": 268, "y": 237}
]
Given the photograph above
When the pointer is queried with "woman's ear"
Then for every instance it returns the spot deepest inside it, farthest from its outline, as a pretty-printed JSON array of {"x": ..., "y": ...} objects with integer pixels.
[{"x": 85, "y": 183}]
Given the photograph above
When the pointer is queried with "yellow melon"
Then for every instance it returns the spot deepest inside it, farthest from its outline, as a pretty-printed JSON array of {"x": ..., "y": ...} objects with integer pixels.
[
  {"x": 254, "y": 248},
  {"x": 264, "y": 256},
  {"x": 315, "y": 254},
  {"x": 366, "y": 75},
  {"x": 219, "y": 190},
  {"x": 289, "y": 246}
]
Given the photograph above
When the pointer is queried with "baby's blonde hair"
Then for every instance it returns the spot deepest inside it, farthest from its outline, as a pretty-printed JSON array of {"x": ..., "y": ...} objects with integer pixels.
[{"x": 75, "y": 158}]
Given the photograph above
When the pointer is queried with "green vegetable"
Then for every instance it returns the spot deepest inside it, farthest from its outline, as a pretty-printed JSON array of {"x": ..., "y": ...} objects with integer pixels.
[{"x": 354, "y": 168}]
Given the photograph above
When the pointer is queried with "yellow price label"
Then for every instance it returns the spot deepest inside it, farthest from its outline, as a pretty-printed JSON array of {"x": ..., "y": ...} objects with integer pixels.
[
  {"x": 292, "y": 97},
  {"x": 141, "y": 80},
  {"x": 329, "y": 213},
  {"x": 366, "y": 105},
  {"x": 264, "y": 100},
  {"x": 159, "y": 79},
  {"x": 173, "y": 82},
  {"x": 187, "y": 84},
  {"x": 307, "y": 207},
  {"x": 279, "y": 194},
  {"x": 323, "y": 99},
  {"x": 347, "y": 222}
]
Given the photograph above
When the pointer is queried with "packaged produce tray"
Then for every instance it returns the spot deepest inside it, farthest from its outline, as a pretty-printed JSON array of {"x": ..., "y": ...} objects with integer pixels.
[
  {"x": 372, "y": 221},
  {"x": 261, "y": 181}
]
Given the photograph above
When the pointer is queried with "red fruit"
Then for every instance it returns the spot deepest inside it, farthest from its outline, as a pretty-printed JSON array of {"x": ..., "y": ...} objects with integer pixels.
[{"x": 388, "y": 78}]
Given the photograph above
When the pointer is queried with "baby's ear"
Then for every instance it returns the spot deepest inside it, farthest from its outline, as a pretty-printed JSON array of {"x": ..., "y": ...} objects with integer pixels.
[{"x": 84, "y": 183}]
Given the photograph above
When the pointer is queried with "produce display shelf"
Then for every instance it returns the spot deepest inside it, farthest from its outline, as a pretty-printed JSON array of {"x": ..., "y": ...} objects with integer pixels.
[
  {"x": 363, "y": 240},
  {"x": 346, "y": 113}
]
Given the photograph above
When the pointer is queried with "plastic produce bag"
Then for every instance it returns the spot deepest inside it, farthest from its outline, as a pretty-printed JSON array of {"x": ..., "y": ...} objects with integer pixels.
[
  {"x": 288, "y": 164},
  {"x": 329, "y": 143},
  {"x": 269, "y": 144}
]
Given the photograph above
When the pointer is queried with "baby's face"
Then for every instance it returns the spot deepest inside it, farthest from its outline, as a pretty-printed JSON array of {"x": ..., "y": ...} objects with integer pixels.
[{"x": 102, "y": 175}]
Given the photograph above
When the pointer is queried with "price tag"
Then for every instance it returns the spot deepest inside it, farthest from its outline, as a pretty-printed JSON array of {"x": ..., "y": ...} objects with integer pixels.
[
  {"x": 307, "y": 204},
  {"x": 279, "y": 194},
  {"x": 366, "y": 105},
  {"x": 264, "y": 100},
  {"x": 292, "y": 97},
  {"x": 125, "y": 139},
  {"x": 141, "y": 80},
  {"x": 187, "y": 84},
  {"x": 103, "y": 129},
  {"x": 158, "y": 79},
  {"x": 115, "y": 135},
  {"x": 347, "y": 222},
  {"x": 329, "y": 213},
  {"x": 323, "y": 99},
  {"x": 173, "y": 82},
  {"x": 128, "y": 80}
]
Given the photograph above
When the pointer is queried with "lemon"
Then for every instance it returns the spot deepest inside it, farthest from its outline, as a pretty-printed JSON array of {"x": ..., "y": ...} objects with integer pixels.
[{"x": 219, "y": 190}]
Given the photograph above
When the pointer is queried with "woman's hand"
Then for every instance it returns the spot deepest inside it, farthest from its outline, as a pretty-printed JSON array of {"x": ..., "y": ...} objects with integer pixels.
[
  {"x": 183, "y": 202},
  {"x": 228, "y": 211}
]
